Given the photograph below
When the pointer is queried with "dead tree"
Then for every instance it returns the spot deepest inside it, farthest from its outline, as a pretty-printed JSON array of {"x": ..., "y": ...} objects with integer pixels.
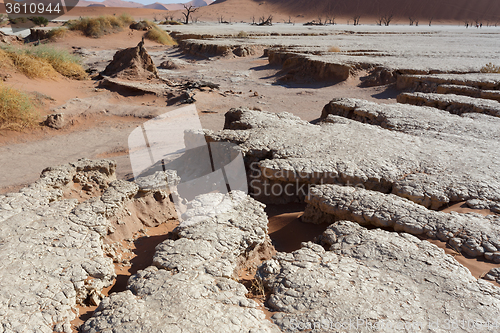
[
  {"x": 412, "y": 20},
  {"x": 221, "y": 20},
  {"x": 330, "y": 15},
  {"x": 430, "y": 20},
  {"x": 188, "y": 11},
  {"x": 264, "y": 21},
  {"x": 330, "y": 19},
  {"x": 356, "y": 19},
  {"x": 386, "y": 20},
  {"x": 169, "y": 17}
]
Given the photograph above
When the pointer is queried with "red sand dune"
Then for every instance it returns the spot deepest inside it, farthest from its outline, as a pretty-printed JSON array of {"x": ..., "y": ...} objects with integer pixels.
[
  {"x": 484, "y": 11},
  {"x": 423, "y": 9}
]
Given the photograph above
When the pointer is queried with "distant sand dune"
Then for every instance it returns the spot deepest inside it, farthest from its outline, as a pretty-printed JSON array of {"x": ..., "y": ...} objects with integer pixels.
[
  {"x": 440, "y": 11},
  {"x": 423, "y": 9}
]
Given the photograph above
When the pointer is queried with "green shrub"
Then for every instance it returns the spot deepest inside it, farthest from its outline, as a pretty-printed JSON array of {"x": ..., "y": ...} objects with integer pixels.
[
  {"x": 160, "y": 36},
  {"x": 39, "y": 20},
  {"x": 16, "y": 109}
]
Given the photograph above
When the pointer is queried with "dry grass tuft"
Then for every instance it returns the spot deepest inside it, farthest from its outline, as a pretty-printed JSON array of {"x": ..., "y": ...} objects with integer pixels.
[
  {"x": 63, "y": 62},
  {"x": 490, "y": 68},
  {"x": 334, "y": 49},
  {"x": 160, "y": 36},
  {"x": 44, "y": 62},
  {"x": 57, "y": 33},
  {"x": 31, "y": 66},
  {"x": 99, "y": 26},
  {"x": 16, "y": 109},
  {"x": 5, "y": 60}
]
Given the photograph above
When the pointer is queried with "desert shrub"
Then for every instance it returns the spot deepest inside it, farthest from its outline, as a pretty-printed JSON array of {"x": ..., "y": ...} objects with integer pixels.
[
  {"x": 3, "y": 18},
  {"x": 18, "y": 20},
  {"x": 45, "y": 62},
  {"x": 171, "y": 22},
  {"x": 5, "y": 60},
  {"x": 490, "y": 68},
  {"x": 39, "y": 20},
  {"x": 16, "y": 109},
  {"x": 334, "y": 49},
  {"x": 99, "y": 26},
  {"x": 57, "y": 33},
  {"x": 160, "y": 36},
  {"x": 242, "y": 34},
  {"x": 141, "y": 25}
]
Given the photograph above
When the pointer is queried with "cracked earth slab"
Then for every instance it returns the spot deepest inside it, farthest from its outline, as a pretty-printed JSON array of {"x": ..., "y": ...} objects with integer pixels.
[
  {"x": 394, "y": 280},
  {"x": 475, "y": 80},
  {"x": 285, "y": 155},
  {"x": 468, "y": 128},
  {"x": 51, "y": 248},
  {"x": 472, "y": 234},
  {"x": 468, "y": 91},
  {"x": 190, "y": 288}
]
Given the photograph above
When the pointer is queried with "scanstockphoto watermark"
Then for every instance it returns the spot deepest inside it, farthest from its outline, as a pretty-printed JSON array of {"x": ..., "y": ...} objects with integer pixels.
[
  {"x": 291, "y": 183},
  {"x": 358, "y": 324},
  {"x": 171, "y": 152},
  {"x": 26, "y": 14}
]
